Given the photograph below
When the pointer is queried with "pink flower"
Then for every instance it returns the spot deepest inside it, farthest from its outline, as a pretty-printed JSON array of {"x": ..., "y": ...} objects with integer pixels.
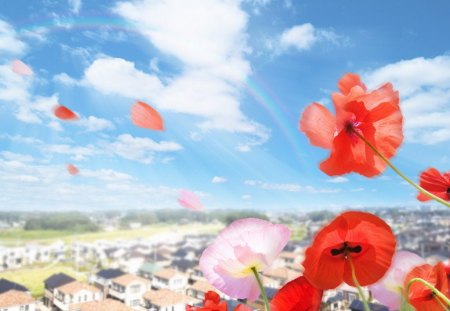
[
  {"x": 244, "y": 245},
  {"x": 389, "y": 289}
]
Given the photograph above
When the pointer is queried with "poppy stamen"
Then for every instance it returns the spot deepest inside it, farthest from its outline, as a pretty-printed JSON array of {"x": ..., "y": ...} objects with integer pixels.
[{"x": 346, "y": 249}]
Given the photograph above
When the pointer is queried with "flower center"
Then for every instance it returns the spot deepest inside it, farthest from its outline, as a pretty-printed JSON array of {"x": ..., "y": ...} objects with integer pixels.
[
  {"x": 448, "y": 192},
  {"x": 351, "y": 127},
  {"x": 346, "y": 250}
]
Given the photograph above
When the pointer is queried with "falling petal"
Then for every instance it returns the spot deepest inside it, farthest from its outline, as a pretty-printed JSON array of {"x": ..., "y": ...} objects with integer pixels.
[
  {"x": 64, "y": 113},
  {"x": 21, "y": 68},
  {"x": 190, "y": 200},
  {"x": 145, "y": 116},
  {"x": 72, "y": 169}
]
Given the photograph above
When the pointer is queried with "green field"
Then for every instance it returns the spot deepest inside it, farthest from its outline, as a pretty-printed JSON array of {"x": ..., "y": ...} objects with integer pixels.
[
  {"x": 20, "y": 237},
  {"x": 33, "y": 278}
]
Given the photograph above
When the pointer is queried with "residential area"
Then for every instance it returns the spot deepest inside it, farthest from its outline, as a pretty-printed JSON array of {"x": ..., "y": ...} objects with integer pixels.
[{"x": 161, "y": 272}]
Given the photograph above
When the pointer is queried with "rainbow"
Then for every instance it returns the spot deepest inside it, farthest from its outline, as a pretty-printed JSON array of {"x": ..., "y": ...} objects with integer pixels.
[{"x": 284, "y": 120}]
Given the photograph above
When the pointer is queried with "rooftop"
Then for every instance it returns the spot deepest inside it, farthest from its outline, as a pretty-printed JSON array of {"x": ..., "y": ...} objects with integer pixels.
[
  {"x": 15, "y": 298},
  {"x": 127, "y": 279},
  {"x": 105, "y": 305},
  {"x": 166, "y": 297},
  {"x": 57, "y": 280},
  {"x": 110, "y": 273},
  {"x": 75, "y": 287},
  {"x": 6, "y": 285}
]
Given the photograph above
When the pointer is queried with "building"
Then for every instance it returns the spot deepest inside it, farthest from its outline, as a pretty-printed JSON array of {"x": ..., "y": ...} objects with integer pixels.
[
  {"x": 16, "y": 300},
  {"x": 103, "y": 279},
  {"x": 6, "y": 285},
  {"x": 104, "y": 305},
  {"x": 129, "y": 289},
  {"x": 68, "y": 297},
  {"x": 170, "y": 279},
  {"x": 167, "y": 300},
  {"x": 51, "y": 283}
]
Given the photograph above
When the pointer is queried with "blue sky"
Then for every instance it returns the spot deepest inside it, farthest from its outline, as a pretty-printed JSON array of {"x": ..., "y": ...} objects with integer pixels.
[{"x": 230, "y": 79}]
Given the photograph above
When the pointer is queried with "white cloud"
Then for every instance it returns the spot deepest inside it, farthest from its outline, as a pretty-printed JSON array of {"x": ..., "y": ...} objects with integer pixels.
[
  {"x": 246, "y": 197},
  {"x": 75, "y": 6},
  {"x": 219, "y": 180},
  {"x": 303, "y": 37},
  {"x": 424, "y": 86},
  {"x": 76, "y": 153},
  {"x": 50, "y": 187},
  {"x": 288, "y": 187},
  {"x": 12, "y": 156},
  {"x": 65, "y": 79},
  {"x": 94, "y": 124},
  {"x": 123, "y": 79},
  {"x": 338, "y": 180},
  {"x": 140, "y": 149},
  {"x": 106, "y": 175},
  {"x": 208, "y": 38},
  {"x": 9, "y": 44}
]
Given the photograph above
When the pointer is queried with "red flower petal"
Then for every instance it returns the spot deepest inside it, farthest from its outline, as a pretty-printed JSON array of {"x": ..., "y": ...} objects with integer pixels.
[
  {"x": 212, "y": 296},
  {"x": 297, "y": 295},
  {"x": 64, "y": 113},
  {"x": 145, "y": 116},
  {"x": 320, "y": 136},
  {"x": 419, "y": 296},
  {"x": 435, "y": 182},
  {"x": 363, "y": 231},
  {"x": 348, "y": 81},
  {"x": 72, "y": 169},
  {"x": 241, "y": 307}
]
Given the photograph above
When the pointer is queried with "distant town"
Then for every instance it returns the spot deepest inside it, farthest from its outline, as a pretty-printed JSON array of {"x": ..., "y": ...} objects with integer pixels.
[{"x": 148, "y": 260}]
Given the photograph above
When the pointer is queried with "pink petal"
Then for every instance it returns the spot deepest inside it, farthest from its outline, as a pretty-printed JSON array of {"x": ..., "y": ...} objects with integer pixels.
[
  {"x": 387, "y": 290},
  {"x": 348, "y": 81},
  {"x": 244, "y": 244},
  {"x": 190, "y": 200},
  {"x": 21, "y": 68}
]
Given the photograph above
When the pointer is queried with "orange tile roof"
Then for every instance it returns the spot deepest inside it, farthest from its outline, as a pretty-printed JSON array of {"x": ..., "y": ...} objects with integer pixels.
[
  {"x": 15, "y": 298},
  {"x": 105, "y": 305},
  {"x": 202, "y": 286},
  {"x": 75, "y": 287},
  {"x": 167, "y": 273},
  {"x": 166, "y": 297},
  {"x": 128, "y": 278}
]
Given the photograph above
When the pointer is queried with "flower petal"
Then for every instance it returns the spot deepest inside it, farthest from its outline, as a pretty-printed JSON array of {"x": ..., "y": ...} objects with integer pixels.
[
  {"x": 21, "y": 68},
  {"x": 297, "y": 295},
  {"x": 190, "y": 200},
  {"x": 72, "y": 169},
  {"x": 64, "y": 113},
  {"x": 348, "y": 81},
  {"x": 318, "y": 124},
  {"x": 145, "y": 116},
  {"x": 433, "y": 181}
]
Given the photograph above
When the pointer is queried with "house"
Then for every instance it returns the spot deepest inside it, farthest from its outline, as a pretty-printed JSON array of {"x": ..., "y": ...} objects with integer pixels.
[
  {"x": 53, "y": 282},
  {"x": 167, "y": 300},
  {"x": 68, "y": 297},
  {"x": 104, "y": 305},
  {"x": 199, "y": 289},
  {"x": 170, "y": 279},
  {"x": 196, "y": 275},
  {"x": 16, "y": 300},
  {"x": 6, "y": 285},
  {"x": 148, "y": 269},
  {"x": 357, "y": 305},
  {"x": 103, "y": 279},
  {"x": 184, "y": 265},
  {"x": 129, "y": 289}
]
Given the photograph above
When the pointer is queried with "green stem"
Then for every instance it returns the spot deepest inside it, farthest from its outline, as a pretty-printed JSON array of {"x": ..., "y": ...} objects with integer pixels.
[
  {"x": 409, "y": 181},
  {"x": 261, "y": 287},
  {"x": 355, "y": 280},
  {"x": 432, "y": 288}
]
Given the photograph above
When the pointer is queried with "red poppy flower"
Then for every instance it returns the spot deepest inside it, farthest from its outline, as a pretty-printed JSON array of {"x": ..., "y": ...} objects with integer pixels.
[
  {"x": 357, "y": 238},
  {"x": 374, "y": 115},
  {"x": 436, "y": 183},
  {"x": 212, "y": 302},
  {"x": 420, "y": 296},
  {"x": 297, "y": 295}
]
